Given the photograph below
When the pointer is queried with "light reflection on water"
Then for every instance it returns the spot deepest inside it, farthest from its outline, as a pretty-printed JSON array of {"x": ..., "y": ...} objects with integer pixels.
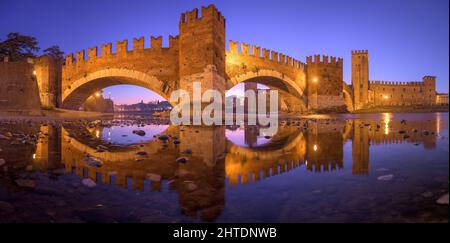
[{"x": 323, "y": 170}]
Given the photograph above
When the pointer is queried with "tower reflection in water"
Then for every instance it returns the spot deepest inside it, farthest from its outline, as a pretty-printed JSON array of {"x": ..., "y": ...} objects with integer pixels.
[{"x": 214, "y": 162}]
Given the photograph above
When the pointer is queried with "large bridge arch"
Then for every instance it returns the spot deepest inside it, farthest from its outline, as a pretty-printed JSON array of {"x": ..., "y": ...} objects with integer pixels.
[{"x": 75, "y": 95}]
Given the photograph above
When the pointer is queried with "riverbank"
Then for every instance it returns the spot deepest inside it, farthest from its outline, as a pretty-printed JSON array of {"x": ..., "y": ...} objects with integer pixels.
[
  {"x": 62, "y": 114},
  {"x": 400, "y": 109},
  {"x": 54, "y": 114}
]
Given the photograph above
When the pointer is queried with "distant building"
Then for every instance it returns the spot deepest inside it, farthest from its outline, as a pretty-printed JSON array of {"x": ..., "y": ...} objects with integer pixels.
[
  {"x": 442, "y": 99},
  {"x": 98, "y": 103},
  {"x": 368, "y": 93},
  {"x": 150, "y": 107}
]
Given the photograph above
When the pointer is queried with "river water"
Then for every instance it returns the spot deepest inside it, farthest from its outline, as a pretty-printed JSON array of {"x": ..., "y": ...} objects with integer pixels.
[{"x": 333, "y": 168}]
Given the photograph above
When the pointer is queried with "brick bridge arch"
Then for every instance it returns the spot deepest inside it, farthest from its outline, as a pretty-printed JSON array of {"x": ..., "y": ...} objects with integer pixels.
[
  {"x": 275, "y": 70},
  {"x": 81, "y": 89},
  {"x": 198, "y": 53}
]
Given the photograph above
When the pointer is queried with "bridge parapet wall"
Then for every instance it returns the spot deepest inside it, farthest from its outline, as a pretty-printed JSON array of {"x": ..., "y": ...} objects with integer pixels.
[
  {"x": 253, "y": 58},
  {"x": 158, "y": 61}
]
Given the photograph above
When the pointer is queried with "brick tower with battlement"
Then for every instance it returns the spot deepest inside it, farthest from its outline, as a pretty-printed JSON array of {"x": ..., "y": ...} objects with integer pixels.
[
  {"x": 360, "y": 78},
  {"x": 202, "y": 49}
]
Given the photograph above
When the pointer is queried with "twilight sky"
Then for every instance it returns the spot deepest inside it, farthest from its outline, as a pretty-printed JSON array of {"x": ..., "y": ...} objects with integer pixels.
[{"x": 406, "y": 39}]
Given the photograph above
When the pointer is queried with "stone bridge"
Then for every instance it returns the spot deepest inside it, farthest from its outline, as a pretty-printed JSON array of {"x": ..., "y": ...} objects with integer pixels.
[{"x": 199, "y": 53}]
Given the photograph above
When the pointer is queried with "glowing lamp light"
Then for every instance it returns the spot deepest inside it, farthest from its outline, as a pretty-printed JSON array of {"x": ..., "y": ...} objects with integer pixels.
[
  {"x": 34, "y": 156},
  {"x": 385, "y": 97},
  {"x": 315, "y": 80},
  {"x": 97, "y": 133},
  {"x": 315, "y": 147},
  {"x": 34, "y": 73},
  {"x": 97, "y": 94}
]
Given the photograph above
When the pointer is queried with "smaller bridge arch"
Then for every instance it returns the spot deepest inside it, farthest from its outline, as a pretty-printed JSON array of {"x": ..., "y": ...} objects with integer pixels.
[{"x": 291, "y": 94}]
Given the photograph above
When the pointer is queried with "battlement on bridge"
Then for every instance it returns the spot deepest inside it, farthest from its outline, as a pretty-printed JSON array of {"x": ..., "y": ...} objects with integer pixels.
[
  {"x": 325, "y": 60},
  {"x": 122, "y": 49},
  {"x": 263, "y": 53}
]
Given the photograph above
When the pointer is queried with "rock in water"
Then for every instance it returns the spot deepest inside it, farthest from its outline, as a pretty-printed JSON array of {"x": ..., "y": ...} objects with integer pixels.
[
  {"x": 163, "y": 138},
  {"x": 26, "y": 183},
  {"x": 385, "y": 177},
  {"x": 139, "y": 132},
  {"x": 182, "y": 160},
  {"x": 93, "y": 162},
  {"x": 154, "y": 177},
  {"x": 443, "y": 200},
  {"x": 88, "y": 182},
  {"x": 187, "y": 151}
]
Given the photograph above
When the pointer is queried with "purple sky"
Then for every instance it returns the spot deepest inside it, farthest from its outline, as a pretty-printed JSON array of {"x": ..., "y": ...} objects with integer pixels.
[{"x": 406, "y": 39}]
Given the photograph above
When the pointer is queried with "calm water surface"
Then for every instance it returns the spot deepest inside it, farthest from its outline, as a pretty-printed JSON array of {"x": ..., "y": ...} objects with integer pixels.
[{"x": 343, "y": 168}]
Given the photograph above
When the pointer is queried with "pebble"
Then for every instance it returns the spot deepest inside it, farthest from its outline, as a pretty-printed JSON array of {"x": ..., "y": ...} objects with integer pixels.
[
  {"x": 153, "y": 177},
  {"x": 6, "y": 208},
  {"x": 26, "y": 183},
  {"x": 191, "y": 186},
  {"x": 163, "y": 138},
  {"x": 187, "y": 151},
  {"x": 443, "y": 200},
  {"x": 101, "y": 148},
  {"x": 181, "y": 160},
  {"x": 2, "y": 162},
  {"x": 88, "y": 182},
  {"x": 93, "y": 162},
  {"x": 4, "y": 137},
  {"x": 139, "y": 132},
  {"x": 385, "y": 177}
]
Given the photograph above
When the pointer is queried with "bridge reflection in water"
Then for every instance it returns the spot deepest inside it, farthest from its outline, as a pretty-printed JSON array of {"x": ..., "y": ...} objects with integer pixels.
[{"x": 215, "y": 163}]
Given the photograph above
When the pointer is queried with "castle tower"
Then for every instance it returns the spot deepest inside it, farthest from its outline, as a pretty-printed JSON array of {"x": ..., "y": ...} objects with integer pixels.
[
  {"x": 202, "y": 49},
  {"x": 360, "y": 78},
  {"x": 324, "y": 82},
  {"x": 430, "y": 90},
  {"x": 47, "y": 71}
]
